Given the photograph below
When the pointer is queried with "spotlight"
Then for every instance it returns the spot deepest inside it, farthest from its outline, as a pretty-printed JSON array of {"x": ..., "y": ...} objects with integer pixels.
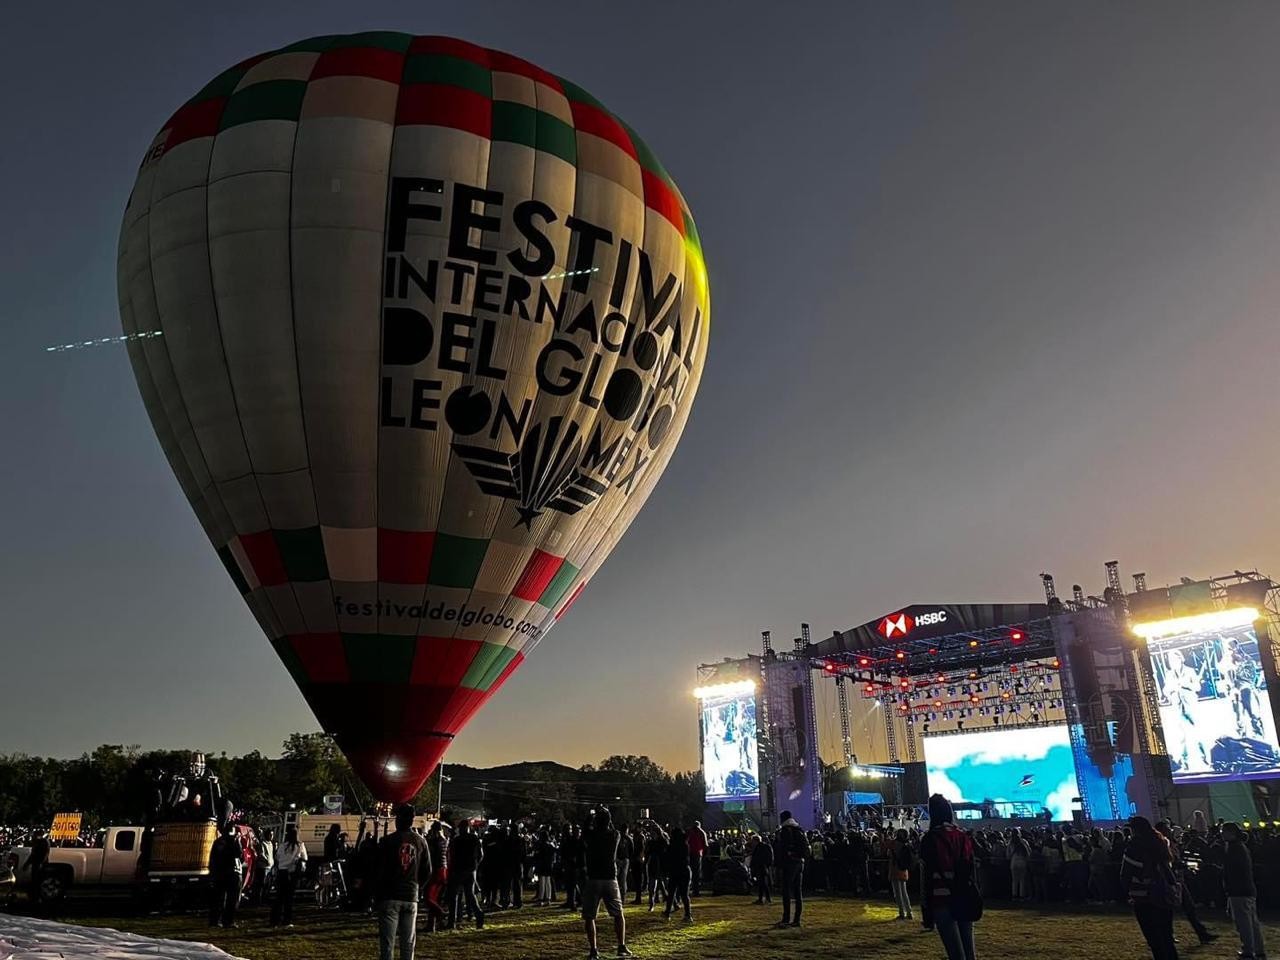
[{"x": 972, "y": 644}]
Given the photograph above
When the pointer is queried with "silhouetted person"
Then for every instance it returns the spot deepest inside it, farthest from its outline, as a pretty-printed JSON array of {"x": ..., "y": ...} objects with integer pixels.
[
  {"x": 226, "y": 875},
  {"x": 465, "y": 855},
  {"x": 600, "y": 856},
  {"x": 36, "y": 863},
  {"x": 790, "y": 852},
  {"x": 697, "y": 839}
]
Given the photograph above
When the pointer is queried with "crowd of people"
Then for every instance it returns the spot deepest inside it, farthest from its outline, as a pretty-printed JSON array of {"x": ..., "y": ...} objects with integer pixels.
[{"x": 457, "y": 874}]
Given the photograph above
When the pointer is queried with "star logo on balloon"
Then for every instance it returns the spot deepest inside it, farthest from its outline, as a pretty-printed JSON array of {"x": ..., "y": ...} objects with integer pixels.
[
  {"x": 895, "y": 625},
  {"x": 543, "y": 474}
]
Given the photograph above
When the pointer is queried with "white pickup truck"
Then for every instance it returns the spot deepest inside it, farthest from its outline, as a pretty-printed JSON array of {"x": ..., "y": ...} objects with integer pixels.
[{"x": 111, "y": 862}]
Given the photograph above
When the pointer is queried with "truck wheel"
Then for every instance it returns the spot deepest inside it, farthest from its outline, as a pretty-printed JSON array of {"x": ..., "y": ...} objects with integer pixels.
[{"x": 53, "y": 887}]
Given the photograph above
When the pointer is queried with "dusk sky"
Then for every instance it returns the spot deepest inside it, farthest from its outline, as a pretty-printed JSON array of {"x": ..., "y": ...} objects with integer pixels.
[{"x": 994, "y": 291}]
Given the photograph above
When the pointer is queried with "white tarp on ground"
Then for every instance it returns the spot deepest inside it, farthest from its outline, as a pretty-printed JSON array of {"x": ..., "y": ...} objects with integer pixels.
[{"x": 25, "y": 938}]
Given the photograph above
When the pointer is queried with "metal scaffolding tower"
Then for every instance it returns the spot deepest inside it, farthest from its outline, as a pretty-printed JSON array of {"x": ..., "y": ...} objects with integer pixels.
[{"x": 846, "y": 733}]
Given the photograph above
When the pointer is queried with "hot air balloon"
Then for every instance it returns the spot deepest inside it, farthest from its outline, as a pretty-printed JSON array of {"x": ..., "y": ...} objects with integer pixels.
[{"x": 425, "y": 325}]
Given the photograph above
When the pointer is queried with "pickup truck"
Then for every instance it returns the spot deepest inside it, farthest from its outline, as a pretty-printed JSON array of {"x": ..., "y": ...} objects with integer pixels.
[{"x": 111, "y": 862}]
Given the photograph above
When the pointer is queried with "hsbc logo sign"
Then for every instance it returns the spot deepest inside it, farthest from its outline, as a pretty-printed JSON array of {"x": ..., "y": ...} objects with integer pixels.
[
  {"x": 901, "y": 624},
  {"x": 895, "y": 625}
]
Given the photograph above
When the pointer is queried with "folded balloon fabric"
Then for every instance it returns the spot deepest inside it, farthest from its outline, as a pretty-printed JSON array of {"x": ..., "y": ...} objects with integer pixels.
[{"x": 25, "y": 938}]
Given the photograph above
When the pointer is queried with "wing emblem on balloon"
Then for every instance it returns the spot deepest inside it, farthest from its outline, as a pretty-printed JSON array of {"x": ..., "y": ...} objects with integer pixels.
[{"x": 543, "y": 474}]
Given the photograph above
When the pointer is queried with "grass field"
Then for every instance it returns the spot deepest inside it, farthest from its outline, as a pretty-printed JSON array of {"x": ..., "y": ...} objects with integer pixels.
[{"x": 724, "y": 927}]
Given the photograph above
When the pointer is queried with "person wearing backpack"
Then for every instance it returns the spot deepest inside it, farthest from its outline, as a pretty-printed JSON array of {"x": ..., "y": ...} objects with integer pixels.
[
  {"x": 792, "y": 848},
  {"x": 952, "y": 900},
  {"x": 1147, "y": 870},
  {"x": 901, "y": 863}
]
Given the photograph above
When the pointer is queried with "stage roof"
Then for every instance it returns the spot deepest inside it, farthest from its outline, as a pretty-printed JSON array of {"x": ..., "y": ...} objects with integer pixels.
[{"x": 923, "y": 622}]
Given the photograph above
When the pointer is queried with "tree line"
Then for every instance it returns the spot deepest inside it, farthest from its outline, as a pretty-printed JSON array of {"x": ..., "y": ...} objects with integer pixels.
[{"x": 114, "y": 783}]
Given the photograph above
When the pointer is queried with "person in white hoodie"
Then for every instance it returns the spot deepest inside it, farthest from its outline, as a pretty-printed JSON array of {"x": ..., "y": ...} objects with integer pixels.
[{"x": 291, "y": 863}]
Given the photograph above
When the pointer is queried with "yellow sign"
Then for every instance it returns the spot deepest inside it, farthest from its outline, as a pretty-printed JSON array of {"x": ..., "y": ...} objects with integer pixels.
[{"x": 66, "y": 826}]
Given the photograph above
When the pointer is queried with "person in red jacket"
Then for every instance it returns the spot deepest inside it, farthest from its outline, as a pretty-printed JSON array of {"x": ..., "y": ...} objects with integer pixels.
[
  {"x": 951, "y": 900},
  {"x": 697, "y": 847}
]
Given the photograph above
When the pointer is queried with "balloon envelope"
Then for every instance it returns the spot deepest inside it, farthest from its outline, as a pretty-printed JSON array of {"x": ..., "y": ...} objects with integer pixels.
[{"x": 424, "y": 327}]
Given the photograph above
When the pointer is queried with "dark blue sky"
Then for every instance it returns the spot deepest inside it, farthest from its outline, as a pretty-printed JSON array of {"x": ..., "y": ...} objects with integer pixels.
[{"x": 994, "y": 292}]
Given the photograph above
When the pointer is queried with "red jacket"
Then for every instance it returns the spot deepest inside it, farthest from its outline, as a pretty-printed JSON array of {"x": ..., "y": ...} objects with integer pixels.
[{"x": 697, "y": 840}]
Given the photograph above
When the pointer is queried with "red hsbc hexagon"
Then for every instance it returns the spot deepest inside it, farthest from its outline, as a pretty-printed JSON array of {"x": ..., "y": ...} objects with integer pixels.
[{"x": 895, "y": 625}]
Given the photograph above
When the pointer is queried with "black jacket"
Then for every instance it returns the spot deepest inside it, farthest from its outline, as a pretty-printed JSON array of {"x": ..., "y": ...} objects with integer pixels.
[
  {"x": 792, "y": 847},
  {"x": 1237, "y": 874}
]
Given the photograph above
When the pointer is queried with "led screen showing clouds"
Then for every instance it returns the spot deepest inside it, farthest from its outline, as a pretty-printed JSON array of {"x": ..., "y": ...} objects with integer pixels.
[{"x": 1023, "y": 772}]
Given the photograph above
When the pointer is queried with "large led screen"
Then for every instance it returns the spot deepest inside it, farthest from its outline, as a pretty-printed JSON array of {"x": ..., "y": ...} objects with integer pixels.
[
  {"x": 730, "y": 759},
  {"x": 1214, "y": 708},
  {"x": 1007, "y": 773}
]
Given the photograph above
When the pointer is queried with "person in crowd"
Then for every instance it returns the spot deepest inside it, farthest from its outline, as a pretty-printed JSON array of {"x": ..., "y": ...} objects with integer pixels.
[
  {"x": 1147, "y": 872},
  {"x": 249, "y": 860},
  {"x": 1051, "y": 851},
  {"x": 626, "y": 849},
  {"x": 859, "y": 864},
  {"x": 656, "y": 841},
  {"x": 1242, "y": 893},
  {"x": 760, "y": 859},
  {"x": 678, "y": 872},
  {"x": 35, "y": 864},
  {"x": 902, "y": 862},
  {"x": 816, "y": 866},
  {"x": 226, "y": 876},
  {"x": 291, "y": 864},
  {"x": 438, "y": 848},
  {"x": 332, "y": 845},
  {"x": 697, "y": 841},
  {"x": 1019, "y": 859},
  {"x": 403, "y": 867},
  {"x": 1099, "y": 859},
  {"x": 600, "y": 883},
  {"x": 790, "y": 852},
  {"x": 263, "y": 865},
  {"x": 1186, "y": 902},
  {"x": 952, "y": 901},
  {"x": 1075, "y": 866},
  {"x": 515, "y": 856},
  {"x": 465, "y": 857},
  {"x": 639, "y": 863},
  {"x": 571, "y": 864},
  {"x": 492, "y": 869},
  {"x": 544, "y": 864}
]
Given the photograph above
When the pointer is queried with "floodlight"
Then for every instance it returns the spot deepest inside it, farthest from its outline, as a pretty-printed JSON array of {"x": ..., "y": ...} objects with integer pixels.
[{"x": 1198, "y": 623}]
